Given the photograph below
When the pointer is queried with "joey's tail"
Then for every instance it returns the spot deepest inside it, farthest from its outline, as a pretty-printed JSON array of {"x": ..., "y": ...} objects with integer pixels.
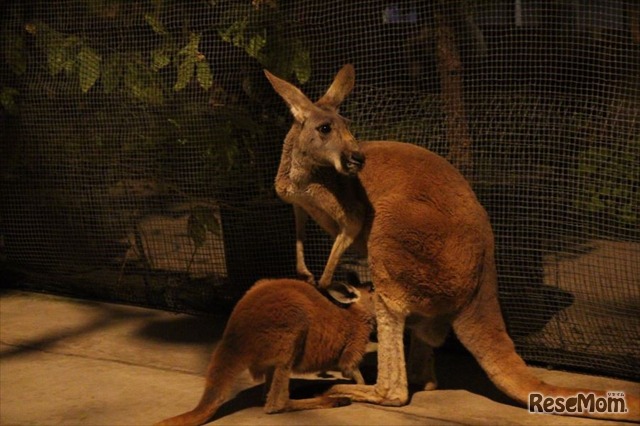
[
  {"x": 482, "y": 331},
  {"x": 221, "y": 374}
]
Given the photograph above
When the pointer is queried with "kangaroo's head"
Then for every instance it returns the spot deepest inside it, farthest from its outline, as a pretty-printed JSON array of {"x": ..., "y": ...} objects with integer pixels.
[
  {"x": 321, "y": 137},
  {"x": 354, "y": 293}
]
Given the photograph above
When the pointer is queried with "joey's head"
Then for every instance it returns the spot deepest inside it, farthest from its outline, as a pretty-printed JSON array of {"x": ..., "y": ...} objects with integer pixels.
[
  {"x": 322, "y": 137},
  {"x": 355, "y": 294}
]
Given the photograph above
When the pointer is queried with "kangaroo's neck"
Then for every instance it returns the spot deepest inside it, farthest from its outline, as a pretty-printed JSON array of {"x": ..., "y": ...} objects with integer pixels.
[
  {"x": 293, "y": 173},
  {"x": 285, "y": 162}
]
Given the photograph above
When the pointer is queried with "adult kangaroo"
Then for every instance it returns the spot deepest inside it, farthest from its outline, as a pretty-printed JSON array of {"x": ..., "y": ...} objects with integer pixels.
[{"x": 428, "y": 240}]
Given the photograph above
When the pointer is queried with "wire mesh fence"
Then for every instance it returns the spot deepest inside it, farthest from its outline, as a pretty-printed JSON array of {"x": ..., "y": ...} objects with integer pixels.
[{"x": 141, "y": 140}]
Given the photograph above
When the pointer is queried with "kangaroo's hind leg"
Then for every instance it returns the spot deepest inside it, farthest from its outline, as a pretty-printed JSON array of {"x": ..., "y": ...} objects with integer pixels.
[
  {"x": 278, "y": 400},
  {"x": 391, "y": 387}
]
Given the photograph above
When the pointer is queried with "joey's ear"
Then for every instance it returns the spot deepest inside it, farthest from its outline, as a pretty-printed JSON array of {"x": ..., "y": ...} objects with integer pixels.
[
  {"x": 340, "y": 88},
  {"x": 299, "y": 104},
  {"x": 344, "y": 293},
  {"x": 354, "y": 280}
]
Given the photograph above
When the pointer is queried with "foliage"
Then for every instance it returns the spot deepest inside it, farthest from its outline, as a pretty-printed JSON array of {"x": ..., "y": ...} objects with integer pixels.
[
  {"x": 114, "y": 90},
  {"x": 8, "y": 99},
  {"x": 154, "y": 57},
  {"x": 138, "y": 70},
  {"x": 68, "y": 53},
  {"x": 13, "y": 46},
  {"x": 259, "y": 29},
  {"x": 201, "y": 222},
  {"x": 609, "y": 181},
  {"x": 263, "y": 33}
]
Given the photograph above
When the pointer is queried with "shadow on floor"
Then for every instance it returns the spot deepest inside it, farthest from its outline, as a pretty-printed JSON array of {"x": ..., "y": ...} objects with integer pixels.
[
  {"x": 205, "y": 329},
  {"x": 459, "y": 370},
  {"x": 105, "y": 316}
]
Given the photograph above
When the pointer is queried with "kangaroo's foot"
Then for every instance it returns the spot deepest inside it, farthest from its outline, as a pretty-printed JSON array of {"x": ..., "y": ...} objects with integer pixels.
[
  {"x": 323, "y": 401},
  {"x": 369, "y": 393}
]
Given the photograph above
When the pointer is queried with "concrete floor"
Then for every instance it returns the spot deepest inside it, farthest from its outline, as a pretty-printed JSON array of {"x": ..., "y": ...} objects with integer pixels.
[{"x": 72, "y": 362}]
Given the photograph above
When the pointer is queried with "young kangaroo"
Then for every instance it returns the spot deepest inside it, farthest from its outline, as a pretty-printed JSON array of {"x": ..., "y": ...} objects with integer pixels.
[
  {"x": 282, "y": 326},
  {"x": 428, "y": 240}
]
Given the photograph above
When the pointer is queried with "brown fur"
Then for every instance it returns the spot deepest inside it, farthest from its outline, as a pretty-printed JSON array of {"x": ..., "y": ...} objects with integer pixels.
[
  {"x": 428, "y": 240},
  {"x": 281, "y": 327}
]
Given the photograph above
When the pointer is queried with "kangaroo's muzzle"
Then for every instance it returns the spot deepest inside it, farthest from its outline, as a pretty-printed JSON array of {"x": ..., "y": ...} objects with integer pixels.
[{"x": 353, "y": 162}]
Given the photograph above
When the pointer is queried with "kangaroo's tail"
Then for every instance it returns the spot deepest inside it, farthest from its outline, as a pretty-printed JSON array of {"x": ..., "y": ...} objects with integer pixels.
[
  {"x": 221, "y": 374},
  {"x": 482, "y": 331}
]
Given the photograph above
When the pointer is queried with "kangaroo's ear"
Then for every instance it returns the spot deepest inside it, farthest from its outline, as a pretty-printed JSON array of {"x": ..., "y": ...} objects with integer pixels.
[
  {"x": 344, "y": 293},
  {"x": 342, "y": 85},
  {"x": 299, "y": 104}
]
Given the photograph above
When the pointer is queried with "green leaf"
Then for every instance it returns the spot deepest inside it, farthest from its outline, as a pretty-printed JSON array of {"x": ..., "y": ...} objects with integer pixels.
[
  {"x": 210, "y": 221},
  {"x": 196, "y": 231},
  {"x": 191, "y": 49},
  {"x": 14, "y": 51},
  {"x": 235, "y": 33},
  {"x": 69, "y": 48},
  {"x": 7, "y": 99},
  {"x": 256, "y": 43},
  {"x": 61, "y": 51},
  {"x": 51, "y": 42},
  {"x": 142, "y": 85},
  {"x": 159, "y": 59},
  {"x": 302, "y": 63},
  {"x": 155, "y": 23},
  {"x": 189, "y": 57},
  {"x": 201, "y": 221},
  {"x": 55, "y": 58},
  {"x": 185, "y": 73},
  {"x": 88, "y": 68},
  {"x": 203, "y": 74},
  {"x": 111, "y": 73}
]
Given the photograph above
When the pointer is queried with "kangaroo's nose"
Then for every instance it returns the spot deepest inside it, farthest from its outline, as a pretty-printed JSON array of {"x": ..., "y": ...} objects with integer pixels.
[{"x": 357, "y": 159}]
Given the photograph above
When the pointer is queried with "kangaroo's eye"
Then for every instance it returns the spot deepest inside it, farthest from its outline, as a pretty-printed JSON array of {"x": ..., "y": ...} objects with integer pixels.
[{"x": 325, "y": 129}]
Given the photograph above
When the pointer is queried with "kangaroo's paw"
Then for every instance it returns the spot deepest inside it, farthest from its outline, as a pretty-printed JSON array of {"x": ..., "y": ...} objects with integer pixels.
[{"x": 307, "y": 276}]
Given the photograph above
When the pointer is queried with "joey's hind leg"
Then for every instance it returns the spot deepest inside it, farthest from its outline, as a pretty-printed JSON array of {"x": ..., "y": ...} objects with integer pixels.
[
  {"x": 391, "y": 387},
  {"x": 278, "y": 400},
  {"x": 277, "y": 380}
]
